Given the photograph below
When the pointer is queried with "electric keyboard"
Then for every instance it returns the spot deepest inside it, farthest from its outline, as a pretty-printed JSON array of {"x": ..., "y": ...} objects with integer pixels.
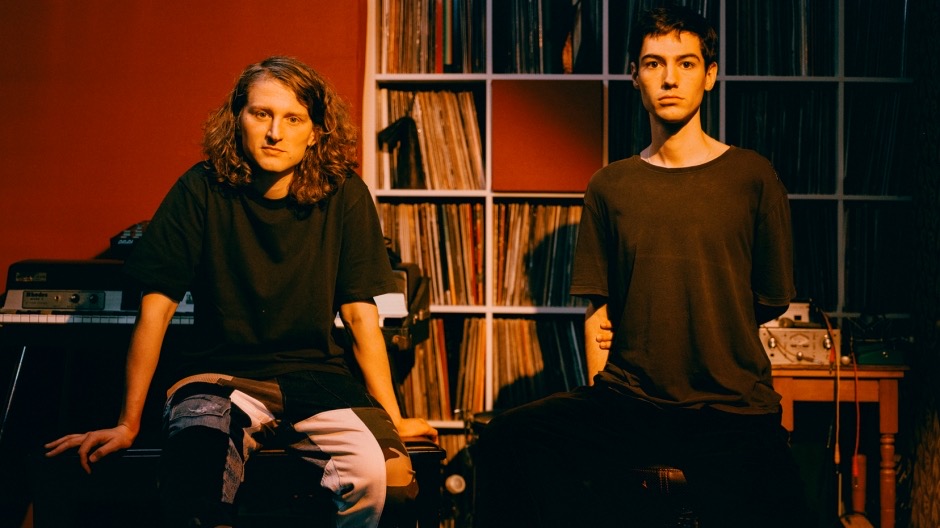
[
  {"x": 93, "y": 292},
  {"x": 105, "y": 319}
]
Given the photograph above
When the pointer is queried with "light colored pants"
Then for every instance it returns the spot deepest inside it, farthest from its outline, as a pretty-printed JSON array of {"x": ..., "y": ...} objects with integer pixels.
[{"x": 325, "y": 419}]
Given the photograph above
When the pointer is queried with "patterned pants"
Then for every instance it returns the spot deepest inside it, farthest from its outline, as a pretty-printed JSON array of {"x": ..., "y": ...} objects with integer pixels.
[{"x": 213, "y": 423}]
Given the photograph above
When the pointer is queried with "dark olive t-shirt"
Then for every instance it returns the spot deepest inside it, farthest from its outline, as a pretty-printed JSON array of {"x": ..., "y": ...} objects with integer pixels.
[
  {"x": 681, "y": 255},
  {"x": 266, "y": 276}
]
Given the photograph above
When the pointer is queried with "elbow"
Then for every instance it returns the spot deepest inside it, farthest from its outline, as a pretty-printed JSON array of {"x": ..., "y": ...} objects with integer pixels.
[{"x": 764, "y": 313}]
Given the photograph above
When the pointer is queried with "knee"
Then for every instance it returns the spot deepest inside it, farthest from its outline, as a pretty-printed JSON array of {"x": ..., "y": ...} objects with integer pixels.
[
  {"x": 401, "y": 490},
  {"x": 401, "y": 482},
  {"x": 373, "y": 491},
  {"x": 198, "y": 410},
  {"x": 501, "y": 434}
]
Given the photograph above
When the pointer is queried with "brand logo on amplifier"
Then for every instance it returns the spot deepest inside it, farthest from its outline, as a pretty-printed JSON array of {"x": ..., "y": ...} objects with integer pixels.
[
  {"x": 63, "y": 300},
  {"x": 36, "y": 276}
]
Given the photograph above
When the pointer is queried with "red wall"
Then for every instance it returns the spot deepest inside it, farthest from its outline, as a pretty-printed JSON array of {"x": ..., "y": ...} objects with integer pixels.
[
  {"x": 569, "y": 145},
  {"x": 103, "y": 102}
]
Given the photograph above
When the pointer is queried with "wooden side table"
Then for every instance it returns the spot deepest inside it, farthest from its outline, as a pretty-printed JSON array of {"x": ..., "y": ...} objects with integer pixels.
[{"x": 876, "y": 384}]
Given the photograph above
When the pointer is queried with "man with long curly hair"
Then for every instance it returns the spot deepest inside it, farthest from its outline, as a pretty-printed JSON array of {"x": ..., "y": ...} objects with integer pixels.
[{"x": 272, "y": 235}]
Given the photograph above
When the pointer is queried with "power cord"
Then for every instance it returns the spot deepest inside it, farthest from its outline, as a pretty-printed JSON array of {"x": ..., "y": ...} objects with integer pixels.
[{"x": 853, "y": 518}]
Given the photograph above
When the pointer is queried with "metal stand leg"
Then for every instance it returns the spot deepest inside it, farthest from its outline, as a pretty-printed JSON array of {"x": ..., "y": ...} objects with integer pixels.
[{"x": 8, "y": 404}]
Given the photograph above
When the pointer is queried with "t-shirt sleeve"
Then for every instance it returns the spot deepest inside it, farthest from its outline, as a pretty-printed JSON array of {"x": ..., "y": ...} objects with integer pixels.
[
  {"x": 364, "y": 267},
  {"x": 590, "y": 265},
  {"x": 166, "y": 256},
  {"x": 772, "y": 275}
]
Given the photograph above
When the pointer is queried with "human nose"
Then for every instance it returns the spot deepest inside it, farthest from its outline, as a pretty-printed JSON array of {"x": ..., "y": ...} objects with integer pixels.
[
  {"x": 669, "y": 75},
  {"x": 273, "y": 134}
]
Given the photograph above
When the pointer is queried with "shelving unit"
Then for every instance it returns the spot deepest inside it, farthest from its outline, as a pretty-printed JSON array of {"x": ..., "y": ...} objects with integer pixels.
[{"x": 798, "y": 86}]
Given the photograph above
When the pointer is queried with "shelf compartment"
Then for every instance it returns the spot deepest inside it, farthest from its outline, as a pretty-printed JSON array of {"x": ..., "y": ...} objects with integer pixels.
[
  {"x": 876, "y": 129},
  {"x": 419, "y": 36},
  {"x": 445, "y": 239},
  {"x": 547, "y": 36},
  {"x": 793, "y": 125},
  {"x": 878, "y": 257},
  {"x": 815, "y": 244},
  {"x": 430, "y": 136},
  {"x": 536, "y": 356},
  {"x": 534, "y": 251},
  {"x": 882, "y": 56},
  {"x": 546, "y": 135},
  {"x": 792, "y": 37}
]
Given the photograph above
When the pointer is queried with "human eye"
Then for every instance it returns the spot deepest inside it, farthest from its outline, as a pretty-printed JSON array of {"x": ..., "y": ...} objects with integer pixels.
[
  {"x": 651, "y": 64},
  {"x": 295, "y": 120},
  {"x": 259, "y": 113}
]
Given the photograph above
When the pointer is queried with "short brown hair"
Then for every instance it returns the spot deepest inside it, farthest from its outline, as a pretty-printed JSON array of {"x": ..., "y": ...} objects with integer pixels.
[{"x": 673, "y": 19}]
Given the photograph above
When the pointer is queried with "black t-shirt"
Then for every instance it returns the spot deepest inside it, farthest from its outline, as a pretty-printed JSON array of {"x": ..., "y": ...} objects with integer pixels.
[
  {"x": 266, "y": 276},
  {"x": 681, "y": 255}
]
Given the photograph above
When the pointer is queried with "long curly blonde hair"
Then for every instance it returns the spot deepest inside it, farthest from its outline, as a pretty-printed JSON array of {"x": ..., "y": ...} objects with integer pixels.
[{"x": 324, "y": 165}]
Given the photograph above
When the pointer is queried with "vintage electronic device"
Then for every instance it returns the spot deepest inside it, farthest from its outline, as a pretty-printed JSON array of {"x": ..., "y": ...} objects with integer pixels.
[
  {"x": 123, "y": 242},
  {"x": 800, "y": 346},
  {"x": 794, "y": 339},
  {"x": 75, "y": 292}
]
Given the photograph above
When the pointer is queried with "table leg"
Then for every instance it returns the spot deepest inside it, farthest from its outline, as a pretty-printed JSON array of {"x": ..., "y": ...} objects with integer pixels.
[
  {"x": 888, "y": 481},
  {"x": 888, "y": 427}
]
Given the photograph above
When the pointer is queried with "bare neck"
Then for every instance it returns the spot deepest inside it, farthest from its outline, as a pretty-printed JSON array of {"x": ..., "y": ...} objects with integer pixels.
[{"x": 685, "y": 146}]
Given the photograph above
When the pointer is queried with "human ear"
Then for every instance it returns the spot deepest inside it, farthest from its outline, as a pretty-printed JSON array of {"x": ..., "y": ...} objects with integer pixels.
[
  {"x": 711, "y": 75},
  {"x": 636, "y": 84}
]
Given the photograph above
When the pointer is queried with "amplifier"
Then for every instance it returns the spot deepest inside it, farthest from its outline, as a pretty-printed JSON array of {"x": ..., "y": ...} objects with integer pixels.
[
  {"x": 799, "y": 346},
  {"x": 75, "y": 292},
  {"x": 44, "y": 286}
]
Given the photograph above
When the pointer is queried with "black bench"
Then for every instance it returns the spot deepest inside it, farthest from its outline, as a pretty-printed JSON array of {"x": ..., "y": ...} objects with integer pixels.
[{"x": 122, "y": 491}]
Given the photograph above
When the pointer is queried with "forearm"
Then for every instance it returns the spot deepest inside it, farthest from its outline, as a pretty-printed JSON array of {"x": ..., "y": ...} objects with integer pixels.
[
  {"x": 143, "y": 355},
  {"x": 596, "y": 356},
  {"x": 368, "y": 346},
  {"x": 377, "y": 373}
]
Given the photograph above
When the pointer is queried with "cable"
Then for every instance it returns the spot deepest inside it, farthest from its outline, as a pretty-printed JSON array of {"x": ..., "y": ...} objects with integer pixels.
[
  {"x": 834, "y": 363},
  {"x": 858, "y": 417}
]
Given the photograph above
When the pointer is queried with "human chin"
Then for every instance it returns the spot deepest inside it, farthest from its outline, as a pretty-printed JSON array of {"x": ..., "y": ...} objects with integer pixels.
[
  {"x": 675, "y": 111},
  {"x": 267, "y": 160},
  {"x": 274, "y": 165}
]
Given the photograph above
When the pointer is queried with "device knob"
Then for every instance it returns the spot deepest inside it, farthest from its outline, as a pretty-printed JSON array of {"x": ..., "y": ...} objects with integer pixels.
[{"x": 455, "y": 484}]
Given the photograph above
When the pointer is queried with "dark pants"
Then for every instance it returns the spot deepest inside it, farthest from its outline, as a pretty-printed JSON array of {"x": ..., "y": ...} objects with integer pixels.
[{"x": 559, "y": 462}]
